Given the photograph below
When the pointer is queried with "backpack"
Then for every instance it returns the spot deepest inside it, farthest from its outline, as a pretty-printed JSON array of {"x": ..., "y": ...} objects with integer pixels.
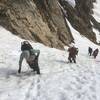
[{"x": 32, "y": 52}]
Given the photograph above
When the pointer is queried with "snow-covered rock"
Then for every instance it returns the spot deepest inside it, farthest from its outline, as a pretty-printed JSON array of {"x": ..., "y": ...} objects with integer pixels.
[{"x": 71, "y": 2}]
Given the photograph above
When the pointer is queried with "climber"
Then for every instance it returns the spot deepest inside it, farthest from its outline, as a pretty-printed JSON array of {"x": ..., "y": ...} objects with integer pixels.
[
  {"x": 73, "y": 51},
  {"x": 95, "y": 53},
  {"x": 31, "y": 55},
  {"x": 90, "y": 51}
]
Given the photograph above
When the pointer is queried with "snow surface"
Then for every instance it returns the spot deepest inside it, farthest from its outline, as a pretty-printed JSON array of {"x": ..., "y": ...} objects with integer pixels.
[
  {"x": 71, "y": 2},
  {"x": 59, "y": 80},
  {"x": 97, "y": 34}
]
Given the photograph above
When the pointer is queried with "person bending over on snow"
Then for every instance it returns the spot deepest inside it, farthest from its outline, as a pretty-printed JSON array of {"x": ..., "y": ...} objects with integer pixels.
[
  {"x": 90, "y": 51},
  {"x": 30, "y": 55},
  {"x": 95, "y": 53},
  {"x": 73, "y": 51}
]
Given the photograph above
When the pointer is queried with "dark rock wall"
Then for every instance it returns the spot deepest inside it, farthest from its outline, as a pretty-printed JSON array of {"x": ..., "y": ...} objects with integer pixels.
[
  {"x": 80, "y": 17},
  {"x": 44, "y": 20},
  {"x": 38, "y": 20}
]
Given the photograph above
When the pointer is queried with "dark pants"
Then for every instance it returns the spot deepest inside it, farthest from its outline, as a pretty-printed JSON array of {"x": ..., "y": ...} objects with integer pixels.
[
  {"x": 72, "y": 59},
  {"x": 95, "y": 55},
  {"x": 34, "y": 65},
  {"x": 90, "y": 53}
]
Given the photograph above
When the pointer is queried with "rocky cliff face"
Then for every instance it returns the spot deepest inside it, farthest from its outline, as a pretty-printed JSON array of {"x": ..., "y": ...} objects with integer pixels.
[
  {"x": 39, "y": 20},
  {"x": 44, "y": 21},
  {"x": 80, "y": 17}
]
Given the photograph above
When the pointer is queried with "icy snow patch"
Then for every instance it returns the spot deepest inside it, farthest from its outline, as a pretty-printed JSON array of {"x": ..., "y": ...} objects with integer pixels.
[
  {"x": 96, "y": 10},
  {"x": 71, "y": 2}
]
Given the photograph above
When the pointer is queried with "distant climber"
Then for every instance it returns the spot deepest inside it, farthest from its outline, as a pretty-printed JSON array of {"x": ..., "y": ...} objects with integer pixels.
[
  {"x": 73, "y": 51},
  {"x": 90, "y": 50},
  {"x": 31, "y": 55},
  {"x": 95, "y": 53}
]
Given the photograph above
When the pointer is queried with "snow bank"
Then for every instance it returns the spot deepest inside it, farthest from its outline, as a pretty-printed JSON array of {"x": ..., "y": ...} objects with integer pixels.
[
  {"x": 97, "y": 34},
  {"x": 96, "y": 10},
  {"x": 59, "y": 80},
  {"x": 71, "y": 2}
]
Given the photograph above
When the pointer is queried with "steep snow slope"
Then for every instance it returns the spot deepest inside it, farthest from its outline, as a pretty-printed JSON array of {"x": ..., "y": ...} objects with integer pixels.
[
  {"x": 80, "y": 41},
  {"x": 96, "y": 15},
  {"x": 59, "y": 80},
  {"x": 96, "y": 10},
  {"x": 71, "y": 2}
]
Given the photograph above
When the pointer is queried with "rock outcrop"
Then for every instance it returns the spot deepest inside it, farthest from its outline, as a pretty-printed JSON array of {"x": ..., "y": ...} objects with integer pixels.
[
  {"x": 44, "y": 21},
  {"x": 80, "y": 17},
  {"x": 38, "y": 20}
]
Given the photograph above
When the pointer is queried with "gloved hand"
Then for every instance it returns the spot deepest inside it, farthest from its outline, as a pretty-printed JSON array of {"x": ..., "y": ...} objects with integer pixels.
[
  {"x": 19, "y": 71},
  {"x": 36, "y": 57}
]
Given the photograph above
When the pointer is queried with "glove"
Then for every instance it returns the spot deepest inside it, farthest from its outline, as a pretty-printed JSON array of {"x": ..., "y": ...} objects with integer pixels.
[{"x": 19, "y": 71}]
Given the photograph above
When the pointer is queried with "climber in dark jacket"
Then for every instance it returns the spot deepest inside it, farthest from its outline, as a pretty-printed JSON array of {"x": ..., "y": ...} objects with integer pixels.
[
  {"x": 26, "y": 46},
  {"x": 90, "y": 51},
  {"x": 95, "y": 53},
  {"x": 73, "y": 51}
]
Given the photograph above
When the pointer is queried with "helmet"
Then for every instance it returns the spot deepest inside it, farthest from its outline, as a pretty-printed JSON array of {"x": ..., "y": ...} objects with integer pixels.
[{"x": 24, "y": 42}]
